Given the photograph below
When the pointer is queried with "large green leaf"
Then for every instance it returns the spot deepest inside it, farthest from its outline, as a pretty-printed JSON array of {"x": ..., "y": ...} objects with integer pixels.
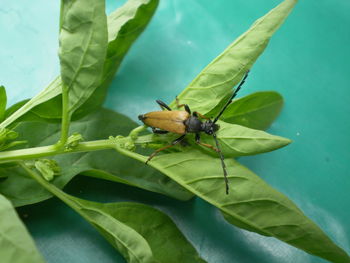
[
  {"x": 257, "y": 110},
  {"x": 125, "y": 239},
  {"x": 217, "y": 79},
  {"x": 131, "y": 244},
  {"x": 83, "y": 47},
  {"x": 166, "y": 241},
  {"x": 106, "y": 164},
  {"x": 16, "y": 245},
  {"x": 124, "y": 26},
  {"x": 140, "y": 233},
  {"x": 251, "y": 204}
]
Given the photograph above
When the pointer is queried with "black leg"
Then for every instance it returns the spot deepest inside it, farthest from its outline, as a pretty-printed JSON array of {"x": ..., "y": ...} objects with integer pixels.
[
  {"x": 176, "y": 141},
  {"x": 163, "y": 105},
  {"x": 187, "y": 108},
  {"x": 157, "y": 131}
]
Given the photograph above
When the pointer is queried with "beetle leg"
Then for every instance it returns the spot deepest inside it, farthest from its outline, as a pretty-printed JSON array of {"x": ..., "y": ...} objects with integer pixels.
[
  {"x": 176, "y": 141},
  {"x": 163, "y": 105},
  {"x": 187, "y": 108},
  {"x": 196, "y": 114},
  {"x": 198, "y": 140},
  {"x": 157, "y": 131}
]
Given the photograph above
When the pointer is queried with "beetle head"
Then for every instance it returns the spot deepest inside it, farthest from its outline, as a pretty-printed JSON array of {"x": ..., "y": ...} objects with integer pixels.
[{"x": 209, "y": 127}]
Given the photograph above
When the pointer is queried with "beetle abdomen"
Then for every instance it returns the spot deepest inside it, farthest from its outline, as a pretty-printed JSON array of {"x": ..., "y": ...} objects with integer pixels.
[{"x": 172, "y": 121}]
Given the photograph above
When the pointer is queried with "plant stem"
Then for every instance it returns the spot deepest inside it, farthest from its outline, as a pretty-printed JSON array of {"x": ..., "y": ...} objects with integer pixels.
[
  {"x": 52, "y": 189},
  {"x": 43, "y": 151},
  {"x": 50, "y": 150},
  {"x": 66, "y": 115}
]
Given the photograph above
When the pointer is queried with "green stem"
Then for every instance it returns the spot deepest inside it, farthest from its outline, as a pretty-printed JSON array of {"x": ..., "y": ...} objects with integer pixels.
[
  {"x": 134, "y": 134},
  {"x": 43, "y": 151},
  {"x": 66, "y": 115},
  {"x": 53, "y": 189},
  {"x": 50, "y": 150}
]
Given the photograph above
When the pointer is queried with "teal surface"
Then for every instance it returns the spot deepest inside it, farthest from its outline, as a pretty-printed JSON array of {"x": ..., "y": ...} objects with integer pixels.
[{"x": 307, "y": 61}]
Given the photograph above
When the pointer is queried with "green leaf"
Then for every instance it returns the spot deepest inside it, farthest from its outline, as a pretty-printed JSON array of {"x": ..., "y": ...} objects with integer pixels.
[
  {"x": 132, "y": 245},
  {"x": 83, "y": 46},
  {"x": 73, "y": 140},
  {"x": 46, "y": 95},
  {"x": 149, "y": 235},
  {"x": 105, "y": 164},
  {"x": 124, "y": 26},
  {"x": 257, "y": 110},
  {"x": 17, "y": 246},
  {"x": 166, "y": 241},
  {"x": 3, "y": 102},
  {"x": 217, "y": 79},
  {"x": 140, "y": 233},
  {"x": 48, "y": 168},
  {"x": 236, "y": 140},
  {"x": 7, "y": 138},
  {"x": 252, "y": 204},
  {"x": 125, "y": 239}
]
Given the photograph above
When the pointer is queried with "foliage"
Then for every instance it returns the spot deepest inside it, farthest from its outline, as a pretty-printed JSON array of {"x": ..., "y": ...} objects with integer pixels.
[{"x": 97, "y": 142}]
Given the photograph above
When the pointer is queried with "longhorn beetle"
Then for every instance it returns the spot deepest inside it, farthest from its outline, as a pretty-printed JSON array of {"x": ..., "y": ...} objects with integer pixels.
[{"x": 182, "y": 122}]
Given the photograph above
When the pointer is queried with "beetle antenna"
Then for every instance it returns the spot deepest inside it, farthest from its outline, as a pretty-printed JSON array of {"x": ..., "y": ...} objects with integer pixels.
[
  {"x": 222, "y": 162},
  {"x": 232, "y": 97}
]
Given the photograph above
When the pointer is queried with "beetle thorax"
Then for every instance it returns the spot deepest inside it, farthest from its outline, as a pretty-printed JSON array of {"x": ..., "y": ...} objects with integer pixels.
[{"x": 193, "y": 125}]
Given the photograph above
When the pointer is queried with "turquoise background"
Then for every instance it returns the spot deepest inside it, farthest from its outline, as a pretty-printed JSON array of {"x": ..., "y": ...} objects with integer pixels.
[{"x": 307, "y": 61}]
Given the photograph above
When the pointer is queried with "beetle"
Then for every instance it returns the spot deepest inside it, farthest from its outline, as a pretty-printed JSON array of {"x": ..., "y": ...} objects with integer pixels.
[{"x": 184, "y": 122}]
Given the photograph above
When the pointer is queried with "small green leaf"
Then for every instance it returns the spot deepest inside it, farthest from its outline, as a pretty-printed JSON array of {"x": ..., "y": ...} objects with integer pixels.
[
  {"x": 6, "y": 139},
  {"x": 53, "y": 90},
  {"x": 257, "y": 110},
  {"x": 3, "y": 102},
  {"x": 217, "y": 79},
  {"x": 48, "y": 168},
  {"x": 236, "y": 140},
  {"x": 251, "y": 204},
  {"x": 17, "y": 246},
  {"x": 73, "y": 140},
  {"x": 83, "y": 47}
]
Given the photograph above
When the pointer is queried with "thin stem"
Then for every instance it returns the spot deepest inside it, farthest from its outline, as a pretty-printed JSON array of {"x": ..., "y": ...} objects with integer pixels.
[
  {"x": 135, "y": 132},
  {"x": 52, "y": 189},
  {"x": 50, "y": 150},
  {"x": 66, "y": 115},
  {"x": 43, "y": 151}
]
